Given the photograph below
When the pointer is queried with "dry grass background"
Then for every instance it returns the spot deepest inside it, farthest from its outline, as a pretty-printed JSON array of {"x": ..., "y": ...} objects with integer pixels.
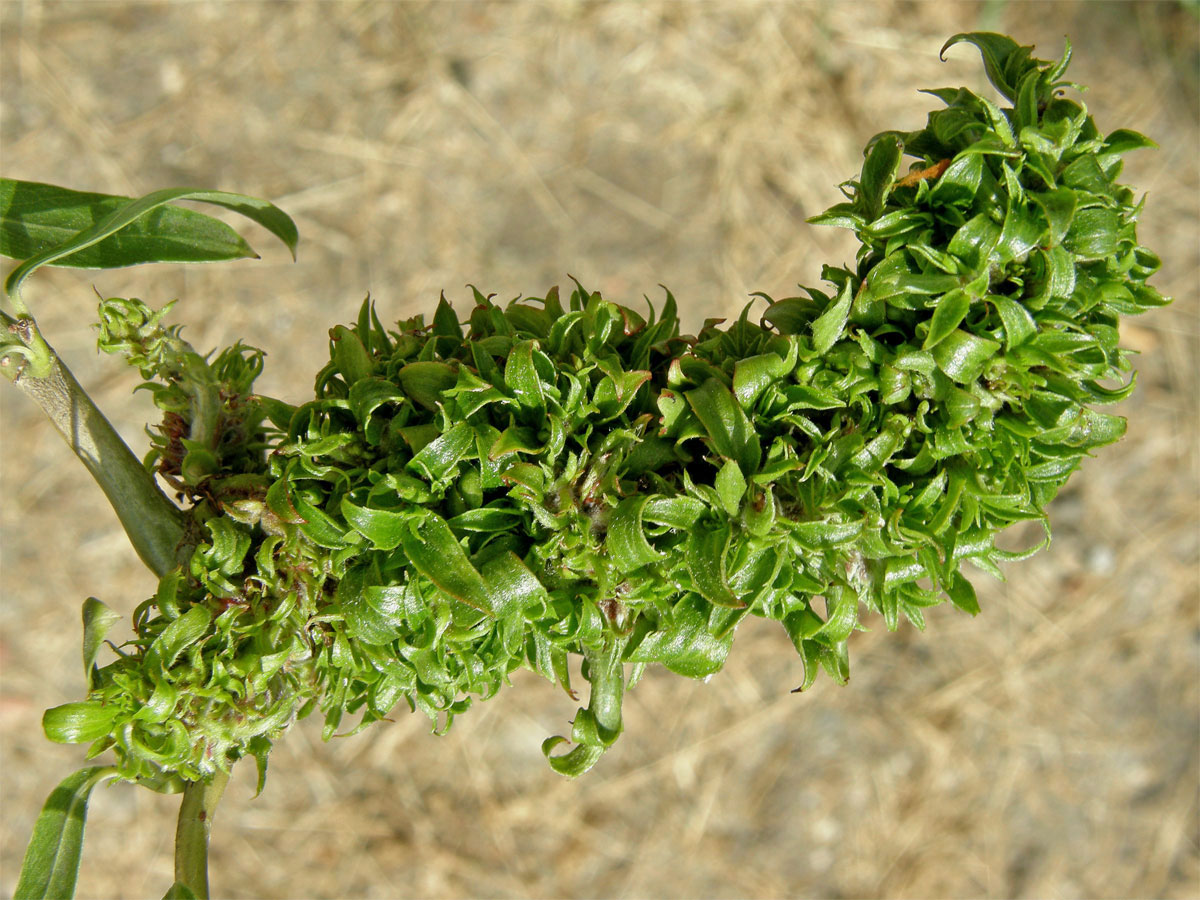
[{"x": 1047, "y": 748}]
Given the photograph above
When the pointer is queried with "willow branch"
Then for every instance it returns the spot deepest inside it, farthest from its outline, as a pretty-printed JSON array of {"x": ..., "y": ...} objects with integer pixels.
[{"x": 153, "y": 523}]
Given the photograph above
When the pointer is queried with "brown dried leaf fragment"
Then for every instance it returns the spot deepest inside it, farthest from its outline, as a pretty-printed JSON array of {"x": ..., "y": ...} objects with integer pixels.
[{"x": 934, "y": 171}]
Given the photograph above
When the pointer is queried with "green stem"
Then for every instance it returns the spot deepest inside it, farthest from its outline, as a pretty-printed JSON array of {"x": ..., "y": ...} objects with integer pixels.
[
  {"x": 200, "y": 799},
  {"x": 153, "y": 523}
]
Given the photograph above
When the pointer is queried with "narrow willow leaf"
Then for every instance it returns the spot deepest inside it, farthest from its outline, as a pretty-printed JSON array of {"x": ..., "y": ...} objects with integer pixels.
[
  {"x": 1059, "y": 68},
  {"x": 725, "y": 422},
  {"x": 51, "y": 864},
  {"x": 843, "y": 614},
  {"x": 435, "y": 552},
  {"x": 898, "y": 222},
  {"x": 38, "y": 217},
  {"x": 266, "y": 214},
  {"x": 999, "y": 123},
  {"x": 488, "y": 520},
  {"x": 440, "y": 457},
  {"x": 320, "y": 527},
  {"x": 1123, "y": 141},
  {"x": 613, "y": 395},
  {"x": 753, "y": 375},
  {"x": 828, "y": 327},
  {"x": 181, "y": 634},
  {"x": 526, "y": 320},
  {"x": 951, "y": 309},
  {"x": 790, "y": 316},
  {"x": 351, "y": 356},
  {"x": 445, "y": 322},
  {"x": 843, "y": 215},
  {"x": 962, "y": 594},
  {"x": 879, "y": 174},
  {"x": 960, "y": 182},
  {"x": 1086, "y": 430},
  {"x": 574, "y": 763},
  {"x": 731, "y": 487},
  {"x": 367, "y": 394},
  {"x": 514, "y": 439},
  {"x": 98, "y": 620},
  {"x": 678, "y": 512},
  {"x": 521, "y": 377},
  {"x": 1028, "y": 95},
  {"x": 1021, "y": 231}
]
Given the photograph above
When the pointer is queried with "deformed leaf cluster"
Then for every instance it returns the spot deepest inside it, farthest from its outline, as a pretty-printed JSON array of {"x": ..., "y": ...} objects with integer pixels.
[
  {"x": 211, "y": 425},
  {"x": 549, "y": 479}
]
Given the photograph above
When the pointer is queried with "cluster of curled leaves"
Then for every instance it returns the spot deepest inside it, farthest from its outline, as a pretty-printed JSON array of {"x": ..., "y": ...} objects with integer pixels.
[{"x": 549, "y": 479}]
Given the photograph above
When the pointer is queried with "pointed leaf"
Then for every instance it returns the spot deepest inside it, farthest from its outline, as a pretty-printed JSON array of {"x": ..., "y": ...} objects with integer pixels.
[
  {"x": 51, "y": 864},
  {"x": 962, "y": 594},
  {"x": 1019, "y": 325},
  {"x": 350, "y": 356},
  {"x": 180, "y": 635},
  {"x": 960, "y": 182},
  {"x": 520, "y": 377},
  {"x": 828, "y": 327},
  {"x": 947, "y": 315},
  {"x": 725, "y": 421},
  {"x": 677, "y": 512},
  {"x": 996, "y": 50},
  {"x": 266, "y": 214},
  {"x": 435, "y": 552},
  {"x": 511, "y": 585},
  {"x": 38, "y": 217},
  {"x": 1094, "y": 234},
  {"x": 879, "y": 174},
  {"x": 731, "y": 487},
  {"x": 98, "y": 619},
  {"x": 445, "y": 321}
]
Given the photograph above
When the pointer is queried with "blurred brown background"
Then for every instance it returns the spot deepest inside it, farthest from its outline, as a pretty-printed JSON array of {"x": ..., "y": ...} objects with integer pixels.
[{"x": 1046, "y": 748}]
